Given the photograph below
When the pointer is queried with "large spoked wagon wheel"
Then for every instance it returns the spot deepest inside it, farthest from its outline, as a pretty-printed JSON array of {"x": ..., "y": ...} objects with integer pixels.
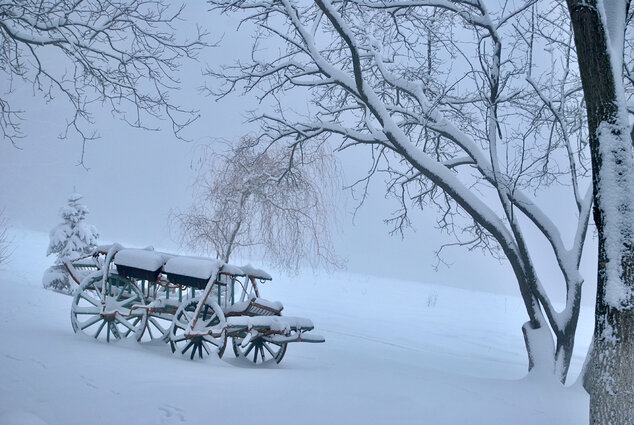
[
  {"x": 110, "y": 312},
  {"x": 207, "y": 334},
  {"x": 259, "y": 350}
]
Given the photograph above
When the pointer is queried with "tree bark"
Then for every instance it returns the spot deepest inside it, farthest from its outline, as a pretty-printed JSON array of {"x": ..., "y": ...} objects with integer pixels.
[{"x": 611, "y": 368}]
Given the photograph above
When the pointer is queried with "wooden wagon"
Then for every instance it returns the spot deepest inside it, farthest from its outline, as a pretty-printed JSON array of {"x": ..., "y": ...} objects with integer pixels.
[{"x": 194, "y": 304}]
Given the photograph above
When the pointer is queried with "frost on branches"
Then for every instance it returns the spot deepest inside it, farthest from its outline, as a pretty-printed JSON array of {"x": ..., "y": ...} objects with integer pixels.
[
  {"x": 454, "y": 106},
  {"x": 124, "y": 54},
  {"x": 72, "y": 239}
]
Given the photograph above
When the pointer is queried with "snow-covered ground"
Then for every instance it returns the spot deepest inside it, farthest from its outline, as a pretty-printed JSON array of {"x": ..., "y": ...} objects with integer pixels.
[{"x": 396, "y": 352}]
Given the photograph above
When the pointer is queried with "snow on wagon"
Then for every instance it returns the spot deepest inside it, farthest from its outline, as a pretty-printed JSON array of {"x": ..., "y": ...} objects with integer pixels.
[{"x": 194, "y": 304}]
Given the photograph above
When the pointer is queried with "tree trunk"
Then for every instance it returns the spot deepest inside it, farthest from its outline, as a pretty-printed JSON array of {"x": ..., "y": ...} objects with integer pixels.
[
  {"x": 612, "y": 377},
  {"x": 540, "y": 349},
  {"x": 566, "y": 340},
  {"x": 563, "y": 355},
  {"x": 611, "y": 383},
  {"x": 232, "y": 240}
]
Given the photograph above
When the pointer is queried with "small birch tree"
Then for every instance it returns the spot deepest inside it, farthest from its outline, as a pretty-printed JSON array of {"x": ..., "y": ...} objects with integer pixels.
[{"x": 248, "y": 200}]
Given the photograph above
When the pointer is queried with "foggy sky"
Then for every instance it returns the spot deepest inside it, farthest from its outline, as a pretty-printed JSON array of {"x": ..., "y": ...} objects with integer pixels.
[{"x": 135, "y": 177}]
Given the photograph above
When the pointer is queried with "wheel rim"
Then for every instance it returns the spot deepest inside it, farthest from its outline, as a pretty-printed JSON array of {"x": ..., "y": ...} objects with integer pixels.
[
  {"x": 209, "y": 332},
  {"x": 108, "y": 314},
  {"x": 259, "y": 350}
]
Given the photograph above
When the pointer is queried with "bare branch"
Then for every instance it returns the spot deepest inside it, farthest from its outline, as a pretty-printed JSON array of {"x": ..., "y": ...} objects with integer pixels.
[{"x": 123, "y": 55}]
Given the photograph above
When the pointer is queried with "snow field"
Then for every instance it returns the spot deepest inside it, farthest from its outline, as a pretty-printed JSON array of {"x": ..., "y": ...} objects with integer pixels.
[{"x": 396, "y": 352}]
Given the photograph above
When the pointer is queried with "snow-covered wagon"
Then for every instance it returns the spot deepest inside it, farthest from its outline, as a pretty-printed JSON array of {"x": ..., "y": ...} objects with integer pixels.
[{"x": 194, "y": 304}]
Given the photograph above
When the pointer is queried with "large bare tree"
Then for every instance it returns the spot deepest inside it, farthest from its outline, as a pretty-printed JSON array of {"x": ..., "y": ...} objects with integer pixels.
[
  {"x": 118, "y": 54},
  {"x": 248, "y": 200},
  {"x": 473, "y": 111},
  {"x": 599, "y": 28}
]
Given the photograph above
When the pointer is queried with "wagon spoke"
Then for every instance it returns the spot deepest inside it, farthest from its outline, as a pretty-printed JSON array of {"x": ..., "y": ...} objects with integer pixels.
[
  {"x": 182, "y": 321},
  {"x": 130, "y": 330},
  {"x": 266, "y": 345},
  {"x": 149, "y": 330},
  {"x": 91, "y": 300},
  {"x": 156, "y": 328},
  {"x": 100, "y": 328},
  {"x": 208, "y": 322},
  {"x": 189, "y": 344},
  {"x": 125, "y": 323},
  {"x": 210, "y": 341},
  {"x": 90, "y": 322},
  {"x": 129, "y": 301},
  {"x": 157, "y": 325},
  {"x": 187, "y": 316},
  {"x": 115, "y": 331},
  {"x": 87, "y": 310},
  {"x": 250, "y": 347},
  {"x": 101, "y": 292}
]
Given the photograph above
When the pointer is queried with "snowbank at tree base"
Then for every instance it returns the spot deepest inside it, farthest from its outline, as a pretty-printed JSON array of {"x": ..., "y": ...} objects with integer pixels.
[{"x": 396, "y": 352}]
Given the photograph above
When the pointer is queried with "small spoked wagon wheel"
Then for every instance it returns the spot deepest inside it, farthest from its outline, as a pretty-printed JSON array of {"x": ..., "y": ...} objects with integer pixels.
[
  {"x": 259, "y": 350},
  {"x": 110, "y": 312},
  {"x": 208, "y": 332}
]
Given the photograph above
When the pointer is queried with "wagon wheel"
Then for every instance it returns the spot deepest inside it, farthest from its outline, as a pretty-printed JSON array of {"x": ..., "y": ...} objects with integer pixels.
[
  {"x": 259, "y": 350},
  {"x": 108, "y": 313},
  {"x": 208, "y": 331}
]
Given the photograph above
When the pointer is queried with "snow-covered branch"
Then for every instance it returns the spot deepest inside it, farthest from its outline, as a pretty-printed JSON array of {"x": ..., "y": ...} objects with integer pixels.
[
  {"x": 121, "y": 54},
  {"x": 447, "y": 116}
]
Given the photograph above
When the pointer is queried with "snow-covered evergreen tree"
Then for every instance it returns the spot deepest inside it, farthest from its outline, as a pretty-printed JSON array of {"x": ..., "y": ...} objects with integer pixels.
[{"x": 71, "y": 239}]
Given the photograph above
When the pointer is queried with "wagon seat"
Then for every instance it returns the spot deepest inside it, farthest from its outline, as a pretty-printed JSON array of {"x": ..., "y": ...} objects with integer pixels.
[{"x": 254, "y": 306}]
